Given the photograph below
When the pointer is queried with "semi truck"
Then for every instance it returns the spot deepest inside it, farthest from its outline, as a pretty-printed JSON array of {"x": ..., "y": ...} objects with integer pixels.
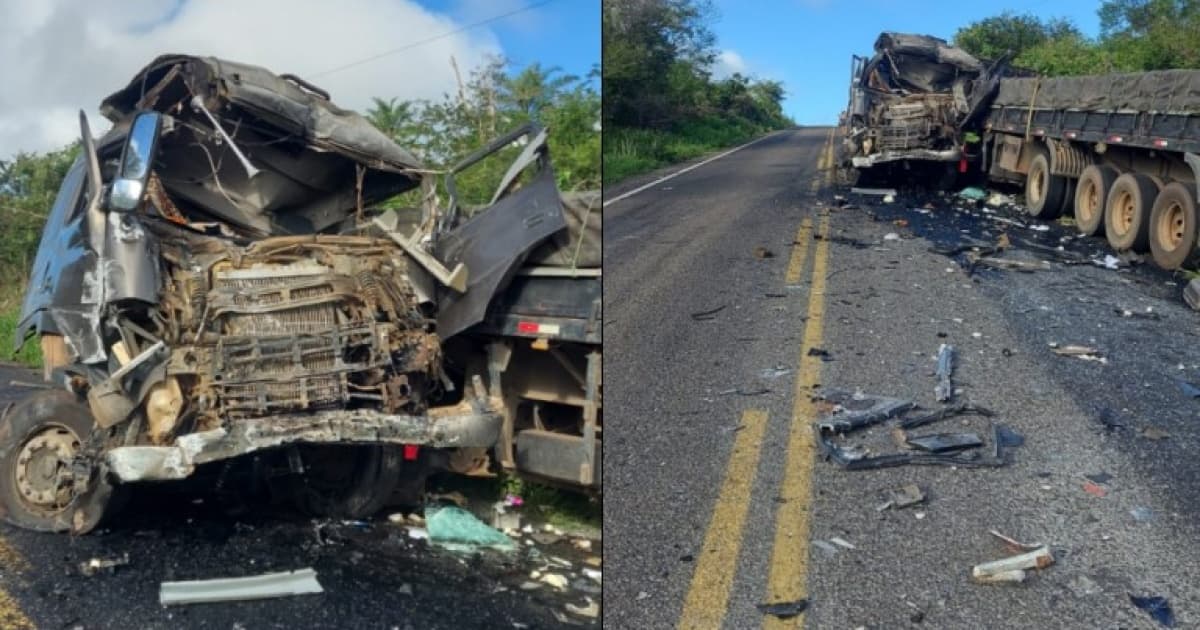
[
  {"x": 221, "y": 294},
  {"x": 1119, "y": 152}
]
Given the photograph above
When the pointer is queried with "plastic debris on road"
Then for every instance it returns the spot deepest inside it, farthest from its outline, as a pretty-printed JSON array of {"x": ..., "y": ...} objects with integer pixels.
[
  {"x": 974, "y": 193},
  {"x": 457, "y": 529},
  {"x": 300, "y": 582},
  {"x": 783, "y": 610},
  {"x": 1012, "y": 568},
  {"x": 1157, "y": 607}
]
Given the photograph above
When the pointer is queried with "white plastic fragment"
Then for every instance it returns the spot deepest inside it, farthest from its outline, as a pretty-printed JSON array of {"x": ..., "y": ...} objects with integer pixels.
[{"x": 267, "y": 585}]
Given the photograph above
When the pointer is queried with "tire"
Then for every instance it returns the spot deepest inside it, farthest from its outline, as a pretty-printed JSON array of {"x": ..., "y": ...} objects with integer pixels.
[
  {"x": 37, "y": 439},
  {"x": 346, "y": 481},
  {"x": 1127, "y": 212},
  {"x": 1090, "y": 194},
  {"x": 1044, "y": 193},
  {"x": 1173, "y": 226}
]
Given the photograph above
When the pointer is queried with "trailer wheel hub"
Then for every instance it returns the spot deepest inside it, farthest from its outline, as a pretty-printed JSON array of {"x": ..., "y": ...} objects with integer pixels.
[
  {"x": 40, "y": 465},
  {"x": 1037, "y": 186},
  {"x": 1125, "y": 212},
  {"x": 1170, "y": 227},
  {"x": 1089, "y": 201}
]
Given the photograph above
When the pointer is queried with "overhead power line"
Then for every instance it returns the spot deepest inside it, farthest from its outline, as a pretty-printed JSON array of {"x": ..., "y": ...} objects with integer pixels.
[{"x": 456, "y": 31}]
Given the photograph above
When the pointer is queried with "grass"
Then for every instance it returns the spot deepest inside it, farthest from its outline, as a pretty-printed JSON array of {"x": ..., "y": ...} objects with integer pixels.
[
  {"x": 10, "y": 312},
  {"x": 630, "y": 151}
]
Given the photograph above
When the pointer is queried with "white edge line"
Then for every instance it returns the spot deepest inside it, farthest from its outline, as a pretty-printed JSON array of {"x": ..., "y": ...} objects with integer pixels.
[{"x": 683, "y": 170}]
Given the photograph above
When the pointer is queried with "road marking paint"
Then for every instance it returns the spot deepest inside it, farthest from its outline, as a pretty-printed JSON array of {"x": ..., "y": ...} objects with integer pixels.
[
  {"x": 789, "y": 553},
  {"x": 829, "y": 165},
  {"x": 824, "y": 161},
  {"x": 799, "y": 252},
  {"x": 682, "y": 171},
  {"x": 708, "y": 596}
]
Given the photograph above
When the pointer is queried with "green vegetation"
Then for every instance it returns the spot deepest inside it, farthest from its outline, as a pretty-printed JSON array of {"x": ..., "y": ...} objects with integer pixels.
[
  {"x": 1135, "y": 35},
  {"x": 661, "y": 102}
]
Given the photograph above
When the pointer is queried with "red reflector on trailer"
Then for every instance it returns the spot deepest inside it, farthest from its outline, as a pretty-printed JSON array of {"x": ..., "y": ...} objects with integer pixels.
[
  {"x": 410, "y": 452},
  {"x": 527, "y": 327},
  {"x": 1070, "y": 134},
  {"x": 1160, "y": 143},
  {"x": 1115, "y": 139},
  {"x": 962, "y": 165}
]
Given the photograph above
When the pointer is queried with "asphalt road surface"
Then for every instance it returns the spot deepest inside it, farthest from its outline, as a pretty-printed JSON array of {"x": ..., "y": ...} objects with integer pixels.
[
  {"x": 737, "y": 292},
  {"x": 374, "y": 574}
]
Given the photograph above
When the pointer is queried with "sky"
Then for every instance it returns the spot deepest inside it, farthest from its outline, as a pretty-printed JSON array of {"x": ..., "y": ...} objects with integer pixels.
[
  {"x": 60, "y": 56},
  {"x": 807, "y": 44}
]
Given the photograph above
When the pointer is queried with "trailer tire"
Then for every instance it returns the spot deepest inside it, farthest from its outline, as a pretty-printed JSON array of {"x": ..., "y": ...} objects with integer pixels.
[
  {"x": 1127, "y": 212},
  {"x": 346, "y": 481},
  {"x": 1090, "y": 194},
  {"x": 1044, "y": 193},
  {"x": 1173, "y": 226}
]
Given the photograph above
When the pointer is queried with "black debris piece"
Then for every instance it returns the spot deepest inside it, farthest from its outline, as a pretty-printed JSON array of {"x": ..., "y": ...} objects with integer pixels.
[
  {"x": 1157, "y": 607},
  {"x": 1100, "y": 477},
  {"x": 783, "y": 610},
  {"x": 818, "y": 352},
  {"x": 1188, "y": 389},
  {"x": 957, "y": 409},
  {"x": 709, "y": 314},
  {"x": 944, "y": 442},
  {"x": 1007, "y": 437}
]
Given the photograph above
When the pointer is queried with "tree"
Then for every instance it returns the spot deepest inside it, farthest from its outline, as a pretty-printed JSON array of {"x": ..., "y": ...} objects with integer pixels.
[{"x": 992, "y": 37}]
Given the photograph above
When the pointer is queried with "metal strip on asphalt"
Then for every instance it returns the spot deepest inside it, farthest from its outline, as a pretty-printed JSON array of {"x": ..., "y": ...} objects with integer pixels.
[
  {"x": 789, "y": 553},
  {"x": 681, "y": 171},
  {"x": 708, "y": 595}
]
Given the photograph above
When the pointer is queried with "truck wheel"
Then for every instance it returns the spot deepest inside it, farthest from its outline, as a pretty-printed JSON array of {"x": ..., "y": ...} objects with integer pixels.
[
  {"x": 38, "y": 440},
  {"x": 1090, "y": 195},
  {"x": 1044, "y": 192},
  {"x": 1173, "y": 226},
  {"x": 346, "y": 481},
  {"x": 1127, "y": 212}
]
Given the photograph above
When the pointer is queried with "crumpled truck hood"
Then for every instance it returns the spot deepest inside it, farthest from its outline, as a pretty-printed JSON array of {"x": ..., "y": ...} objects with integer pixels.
[{"x": 310, "y": 151}]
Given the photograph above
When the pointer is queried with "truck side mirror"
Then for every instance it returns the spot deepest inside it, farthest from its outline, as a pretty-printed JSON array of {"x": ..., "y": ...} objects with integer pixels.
[{"x": 136, "y": 157}]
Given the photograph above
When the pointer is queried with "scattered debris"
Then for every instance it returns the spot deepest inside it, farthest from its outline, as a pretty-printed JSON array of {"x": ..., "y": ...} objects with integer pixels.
[
  {"x": 503, "y": 519},
  {"x": 1086, "y": 353},
  {"x": 957, "y": 409},
  {"x": 842, "y": 542},
  {"x": 96, "y": 565},
  {"x": 1191, "y": 294},
  {"x": 900, "y": 223},
  {"x": 1146, "y": 314},
  {"x": 592, "y": 574},
  {"x": 826, "y": 547},
  {"x": 865, "y": 412},
  {"x": 404, "y": 589},
  {"x": 300, "y": 582},
  {"x": 889, "y": 198},
  {"x": 1095, "y": 489},
  {"x": 1100, "y": 477},
  {"x": 891, "y": 236},
  {"x": 556, "y": 580},
  {"x": 877, "y": 192},
  {"x": 996, "y": 200},
  {"x": 1142, "y": 514},
  {"x": 1188, "y": 389},
  {"x": 545, "y": 538},
  {"x": 513, "y": 500},
  {"x": 418, "y": 533},
  {"x": 457, "y": 529},
  {"x": 1012, "y": 568},
  {"x": 944, "y": 442},
  {"x": 1083, "y": 586},
  {"x": 973, "y": 193},
  {"x": 1110, "y": 262},
  {"x": 740, "y": 391},
  {"x": 944, "y": 390},
  {"x": 776, "y": 372},
  {"x": 454, "y": 497},
  {"x": 1157, "y": 607},
  {"x": 907, "y": 495},
  {"x": 1005, "y": 436},
  {"x": 1015, "y": 545},
  {"x": 1153, "y": 433},
  {"x": 761, "y": 252},
  {"x": 709, "y": 314},
  {"x": 591, "y": 610},
  {"x": 818, "y": 352},
  {"x": 783, "y": 610}
]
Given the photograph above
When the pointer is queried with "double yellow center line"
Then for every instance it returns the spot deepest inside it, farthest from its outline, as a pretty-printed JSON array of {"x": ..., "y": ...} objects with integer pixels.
[
  {"x": 11, "y": 615},
  {"x": 708, "y": 596}
]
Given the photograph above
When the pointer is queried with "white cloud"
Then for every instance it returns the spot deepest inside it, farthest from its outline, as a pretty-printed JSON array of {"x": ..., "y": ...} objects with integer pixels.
[
  {"x": 58, "y": 56},
  {"x": 727, "y": 63}
]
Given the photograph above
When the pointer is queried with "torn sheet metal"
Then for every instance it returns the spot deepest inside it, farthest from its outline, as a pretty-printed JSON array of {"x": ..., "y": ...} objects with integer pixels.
[
  {"x": 265, "y": 586},
  {"x": 854, "y": 411},
  {"x": 944, "y": 442}
]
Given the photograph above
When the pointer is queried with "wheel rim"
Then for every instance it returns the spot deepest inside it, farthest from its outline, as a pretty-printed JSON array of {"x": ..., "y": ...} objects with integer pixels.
[
  {"x": 1125, "y": 212},
  {"x": 1089, "y": 201},
  {"x": 1171, "y": 227},
  {"x": 1037, "y": 183},
  {"x": 40, "y": 464}
]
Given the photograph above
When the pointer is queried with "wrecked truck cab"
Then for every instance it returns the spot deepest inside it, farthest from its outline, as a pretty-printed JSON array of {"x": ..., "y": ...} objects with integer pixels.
[{"x": 212, "y": 282}]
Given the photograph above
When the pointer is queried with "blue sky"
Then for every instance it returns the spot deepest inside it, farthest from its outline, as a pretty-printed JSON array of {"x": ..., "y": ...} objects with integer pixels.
[
  {"x": 807, "y": 44},
  {"x": 563, "y": 33}
]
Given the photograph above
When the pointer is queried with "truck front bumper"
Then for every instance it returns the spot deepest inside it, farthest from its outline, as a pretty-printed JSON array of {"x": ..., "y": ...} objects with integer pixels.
[{"x": 468, "y": 424}]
